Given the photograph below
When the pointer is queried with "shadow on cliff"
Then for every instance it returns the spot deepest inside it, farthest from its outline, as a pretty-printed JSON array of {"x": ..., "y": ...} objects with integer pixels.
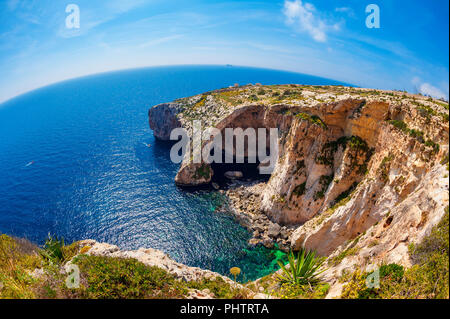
[{"x": 250, "y": 172}]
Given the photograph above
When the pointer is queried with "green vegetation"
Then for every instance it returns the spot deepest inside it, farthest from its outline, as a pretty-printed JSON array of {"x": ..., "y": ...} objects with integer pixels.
[
  {"x": 271, "y": 285},
  {"x": 261, "y": 91},
  {"x": 418, "y": 135},
  {"x": 204, "y": 171},
  {"x": 17, "y": 258},
  {"x": 299, "y": 190},
  {"x": 299, "y": 166},
  {"x": 427, "y": 278},
  {"x": 100, "y": 277},
  {"x": 53, "y": 249},
  {"x": 445, "y": 161},
  {"x": 428, "y": 111},
  {"x": 341, "y": 200},
  {"x": 293, "y": 291},
  {"x": 232, "y": 96},
  {"x": 113, "y": 278},
  {"x": 402, "y": 126},
  {"x": 314, "y": 119},
  {"x": 324, "y": 182},
  {"x": 385, "y": 166},
  {"x": 201, "y": 102},
  {"x": 350, "y": 250},
  {"x": 358, "y": 147},
  {"x": 303, "y": 270},
  {"x": 344, "y": 197},
  {"x": 326, "y": 156},
  {"x": 444, "y": 105},
  {"x": 219, "y": 288}
]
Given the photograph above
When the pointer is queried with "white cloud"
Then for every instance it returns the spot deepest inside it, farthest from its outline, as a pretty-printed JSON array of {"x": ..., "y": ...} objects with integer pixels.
[
  {"x": 428, "y": 89},
  {"x": 305, "y": 17}
]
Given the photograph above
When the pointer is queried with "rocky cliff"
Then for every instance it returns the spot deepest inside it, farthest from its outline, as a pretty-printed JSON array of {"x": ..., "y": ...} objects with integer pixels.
[{"x": 354, "y": 164}]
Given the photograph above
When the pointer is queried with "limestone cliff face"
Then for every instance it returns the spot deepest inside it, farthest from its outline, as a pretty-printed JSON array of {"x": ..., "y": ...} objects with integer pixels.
[
  {"x": 321, "y": 160},
  {"x": 163, "y": 119},
  {"x": 395, "y": 174},
  {"x": 353, "y": 164}
]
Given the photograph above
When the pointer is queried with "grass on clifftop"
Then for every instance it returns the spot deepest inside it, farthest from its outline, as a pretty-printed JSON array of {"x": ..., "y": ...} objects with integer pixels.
[
  {"x": 427, "y": 278},
  {"x": 118, "y": 278},
  {"x": 16, "y": 259},
  {"x": 100, "y": 277}
]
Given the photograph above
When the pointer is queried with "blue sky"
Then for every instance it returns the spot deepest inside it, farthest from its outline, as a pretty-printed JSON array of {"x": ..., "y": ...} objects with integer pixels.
[{"x": 327, "y": 38}]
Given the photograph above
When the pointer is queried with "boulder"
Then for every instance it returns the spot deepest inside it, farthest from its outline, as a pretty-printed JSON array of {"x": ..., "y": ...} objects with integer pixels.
[
  {"x": 233, "y": 174},
  {"x": 215, "y": 186},
  {"x": 274, "y": 230},
  {"x": 193, "y": 174}
]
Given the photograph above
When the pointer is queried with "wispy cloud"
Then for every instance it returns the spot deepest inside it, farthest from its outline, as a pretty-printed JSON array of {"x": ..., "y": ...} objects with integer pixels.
[
  {"x": 268, "y": 47},
  {"x": 121, "y": 6},
  {"x": 347, "y": 10},
  {"x": 160, "y": 40},
  {"x": 305, "y": 18}
]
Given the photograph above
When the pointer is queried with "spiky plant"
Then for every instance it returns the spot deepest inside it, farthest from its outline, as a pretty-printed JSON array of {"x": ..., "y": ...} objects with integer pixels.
[
  {"x": 53, "y": 249},
  {"x": 303, "y": 270}
]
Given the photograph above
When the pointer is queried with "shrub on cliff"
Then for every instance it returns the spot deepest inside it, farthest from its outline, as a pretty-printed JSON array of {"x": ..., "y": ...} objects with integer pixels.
[
  {"x": 112, "y": 278},
  {"x": 427, "y": 278},
  {"x": 17, "y": 258},
  {"x": 219, "y": 288}
]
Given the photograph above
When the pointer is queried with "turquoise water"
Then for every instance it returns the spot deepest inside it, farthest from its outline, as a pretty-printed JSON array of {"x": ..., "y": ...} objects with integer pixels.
[{"x": 74, "y": 163}]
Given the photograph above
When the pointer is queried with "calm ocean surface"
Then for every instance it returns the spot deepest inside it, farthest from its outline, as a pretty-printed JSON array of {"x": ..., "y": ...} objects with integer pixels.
[{"x": 73, "y": 163}]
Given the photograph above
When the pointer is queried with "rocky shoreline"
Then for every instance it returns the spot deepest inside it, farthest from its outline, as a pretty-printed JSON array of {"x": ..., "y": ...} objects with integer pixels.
[{"x": 243, "y": 202}]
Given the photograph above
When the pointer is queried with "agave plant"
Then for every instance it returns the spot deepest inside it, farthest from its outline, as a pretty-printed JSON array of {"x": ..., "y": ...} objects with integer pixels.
[
  {"x": 305, "y": 269},
  {"x": 53, "y": 249}
]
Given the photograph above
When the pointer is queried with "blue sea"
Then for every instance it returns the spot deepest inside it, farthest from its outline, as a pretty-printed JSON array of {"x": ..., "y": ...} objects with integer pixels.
[{"x": 73, "y": 163}]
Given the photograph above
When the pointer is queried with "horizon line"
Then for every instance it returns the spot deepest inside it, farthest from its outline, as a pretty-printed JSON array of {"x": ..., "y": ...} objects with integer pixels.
[
  {"x": 7, "y": 100},
  {"x": 63, "y": 80}
]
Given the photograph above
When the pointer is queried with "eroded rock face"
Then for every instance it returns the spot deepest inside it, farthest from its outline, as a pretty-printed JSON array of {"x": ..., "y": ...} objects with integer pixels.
[
  {"x": 388, "y": 240},
  {"x": 163, "y": 119},
  {"x": 318, "y": 163},
  {"x": 398, "y": 171}
]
